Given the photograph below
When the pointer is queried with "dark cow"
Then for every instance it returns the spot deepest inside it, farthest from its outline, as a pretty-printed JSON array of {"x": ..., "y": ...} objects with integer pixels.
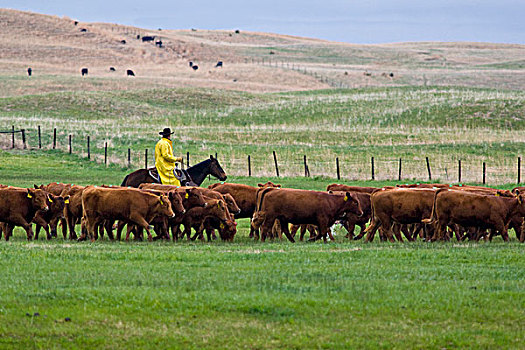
[
  {"x": 190, "y": 63},
  {"x": 127, "y": 204},
  {"x": 148, "y": 38},
  {"x": 84, "y": 71},
  {"x": 219, "y": 64},
  {"x": 158, "y": 43},
  {"x": 83, "y": 30},
  {"x": 123, "y": 41},
  {"x": 29, "y": 71},
  {"x": 474, "y": 210},
  {"x": 19, "y": 206},
  {"x": 194, "y": 67},
  {"x": 112, "y": 69},
  {"x": 130, "y": 73},
  {"x": 302, "y": 207}
]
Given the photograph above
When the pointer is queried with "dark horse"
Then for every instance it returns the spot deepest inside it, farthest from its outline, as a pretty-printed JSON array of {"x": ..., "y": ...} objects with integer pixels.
[{"x": 197, "y": 174}]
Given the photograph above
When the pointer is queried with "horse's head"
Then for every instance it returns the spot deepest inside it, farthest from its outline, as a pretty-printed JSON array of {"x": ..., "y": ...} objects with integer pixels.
[{"x": 216, "y": 169}]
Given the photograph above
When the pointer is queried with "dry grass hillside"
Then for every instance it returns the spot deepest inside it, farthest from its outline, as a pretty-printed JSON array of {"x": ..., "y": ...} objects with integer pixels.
[{"x": 57, "y": 49}]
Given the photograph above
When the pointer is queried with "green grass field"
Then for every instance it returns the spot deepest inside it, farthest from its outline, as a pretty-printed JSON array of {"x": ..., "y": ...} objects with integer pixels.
[{"x": 250, "y": 294}]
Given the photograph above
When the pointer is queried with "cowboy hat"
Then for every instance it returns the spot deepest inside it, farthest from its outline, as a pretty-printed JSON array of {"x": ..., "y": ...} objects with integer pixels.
[{"x": 166, "y": 131}]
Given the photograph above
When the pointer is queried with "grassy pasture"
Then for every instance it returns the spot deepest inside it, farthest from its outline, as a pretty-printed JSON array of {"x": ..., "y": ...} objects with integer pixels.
[
  {"x": 444, "y": 124},
  {"x": 249, "y": 294}
]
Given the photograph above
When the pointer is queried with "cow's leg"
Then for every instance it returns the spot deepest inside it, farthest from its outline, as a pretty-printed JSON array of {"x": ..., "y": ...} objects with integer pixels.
[
  {"x": 120, "y": 227},
  {"x": 266, "y": 228},
  {"x": 361, "y": 234},
  {"x": 371, "y": 231},
  {"x": 350, "y": 228},
  {"x": 294, "y": 229},
  {"x": 396, "y": 228},
  {"x": 286, "y": 231},
  {"x": 175, "y": 232},
  {"x": 70, "y": 220}
]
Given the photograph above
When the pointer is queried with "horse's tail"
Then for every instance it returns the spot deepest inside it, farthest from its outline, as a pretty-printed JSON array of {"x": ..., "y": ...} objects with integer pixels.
[{"x": 125, "y": 181}]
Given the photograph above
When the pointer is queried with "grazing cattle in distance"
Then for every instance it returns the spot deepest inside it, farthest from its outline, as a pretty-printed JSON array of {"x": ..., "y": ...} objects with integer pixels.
[
  {"x": 219, "y": 64},
  {"x": 84, "y": 71},
  {"x": 158, "y": 43},
  {"x": 19, "y": 206},
  {"x": 237, "y": 31},
  {"x": 112, "y": 69},
  {"x": 194, "y": 67},
  {"x": 138, "y": 36},
  {"x": 83, "y": 29},
  {"x": 76, "y": 22},
  {"x": 29, "y": 71},
  {"x": 123, "y": 41},
  {"x": 391, "y": 75},
  {"x": 128, "y": 204},
  {"x": 148, "y": 38},
  {"x": 190, "y": 63},
  {"x": 129, "y": 72}
]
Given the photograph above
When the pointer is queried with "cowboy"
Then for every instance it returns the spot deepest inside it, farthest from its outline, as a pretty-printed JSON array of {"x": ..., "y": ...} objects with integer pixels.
[{"x": 164, "y": 159}]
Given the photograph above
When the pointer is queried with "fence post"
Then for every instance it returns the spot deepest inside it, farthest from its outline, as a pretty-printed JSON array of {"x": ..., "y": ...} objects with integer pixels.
[
  {"x": 70, "y": 148},
  {"x": 187, "y": 159},
  {"x": 24, "y": 137},
  {"x": 519, "y": 169},
  {"x": 459, "y": 170},
  {"x": 428, "y": 168},
  {"x": 54, "y": 138},
  {"x": 337, "y": 167},
  {"x": 249, "y": 166},
  {"x": 39, "y": 138},
  {"x": 12, "y": 136},
  {"x": 373, "y": 173},
  {"x": 146, "y": 159},
  {"x": 306, "y": 170},
  {"x": 399, "y": 175},
  {"x": 106, "y": 153},
  {"x": 88, "y": 148},
  {"x": 129, "y": 157},
  {"x": 276, "y": 166},
  {"x": 484, "y": 172}
]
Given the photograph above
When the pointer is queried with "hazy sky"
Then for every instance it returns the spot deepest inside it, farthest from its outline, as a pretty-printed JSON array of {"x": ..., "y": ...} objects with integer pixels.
[{"x": 362, "y": 21}]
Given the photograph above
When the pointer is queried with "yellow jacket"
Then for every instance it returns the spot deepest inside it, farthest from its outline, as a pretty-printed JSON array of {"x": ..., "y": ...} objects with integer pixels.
[{"x": 165, "y": 162}]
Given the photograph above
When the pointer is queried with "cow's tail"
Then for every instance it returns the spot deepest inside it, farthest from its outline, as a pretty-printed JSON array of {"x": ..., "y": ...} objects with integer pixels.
[
  {"x": 433, "y": 215},
  {"x": 374, "y": 223},
  {"x": 259, "y": 197},
  {"x": 125, "y": 180}
]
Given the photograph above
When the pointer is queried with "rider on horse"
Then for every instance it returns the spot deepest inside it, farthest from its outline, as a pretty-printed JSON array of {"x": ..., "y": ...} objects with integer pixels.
[{"x": 164, "y": 159}]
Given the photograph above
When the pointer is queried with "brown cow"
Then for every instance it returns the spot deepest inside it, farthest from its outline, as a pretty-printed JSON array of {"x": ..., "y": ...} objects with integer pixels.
[
  {"x": 474, "y": 210},
  {"x": 19, "y": 206},
  {"x": 303, "y": 207},
  {"x": 401, "y": 206},
  {"x": 49, "y": 219},
  {"x": 72, "y": 210},
  {"x": 194, "y": 218},
  {"x": 244, "y": 196},
  {"x": 352, "y": 220},
  {"x": 128, "y": 204}
]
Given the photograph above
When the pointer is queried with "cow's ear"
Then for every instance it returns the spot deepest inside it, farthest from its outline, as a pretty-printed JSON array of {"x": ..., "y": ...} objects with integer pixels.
[
  {"x": 331, "y": 192},
  {"x": 211, "y": 157},
  {"x": 347, "y": 196},
  {"x": 66, "y": 199},
  {"x": 30, "y": 193},
  {"x": 50, "y": 197},
  {"x": 219, "y": 204},
  {"x": 36, "y": 187},
  {"x": 260, "y": 185}
]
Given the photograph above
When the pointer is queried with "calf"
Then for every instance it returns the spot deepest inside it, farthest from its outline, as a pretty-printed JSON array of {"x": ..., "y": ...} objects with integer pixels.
[
  {"x": 48, "y": 219},
  {"x": 474, "y": 210},
  {"x": 401, "y": 206},
  {"x": 128, "y": 204},
  {"x": 19, "y": 206},
  {"x": 195, "y": 217},
  {"x": 303, "y": 207}
]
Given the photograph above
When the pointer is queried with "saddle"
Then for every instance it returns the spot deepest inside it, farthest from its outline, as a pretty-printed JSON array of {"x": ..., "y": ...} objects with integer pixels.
[{"x": 180, "y": 174}]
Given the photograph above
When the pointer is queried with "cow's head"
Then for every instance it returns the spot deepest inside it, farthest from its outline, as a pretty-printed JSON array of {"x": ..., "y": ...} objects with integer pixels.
[
  {"x": 164, "y": 206},
  {"x": 351, "y": 205},
  {"x": 38, "y": 199},
  {"x": 176, "y": 202},
  {"x": 193, "y": 198},
  {"x": 269, "y": 184},
  {"x": 232, "y": 205}
]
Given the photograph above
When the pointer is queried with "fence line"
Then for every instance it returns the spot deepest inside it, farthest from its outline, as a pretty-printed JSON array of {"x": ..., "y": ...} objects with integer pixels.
[{"x": 386, "y": 168}]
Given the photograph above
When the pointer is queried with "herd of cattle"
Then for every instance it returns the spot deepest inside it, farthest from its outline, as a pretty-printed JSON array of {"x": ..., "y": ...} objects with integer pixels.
[{"x": 429, "y": 211}]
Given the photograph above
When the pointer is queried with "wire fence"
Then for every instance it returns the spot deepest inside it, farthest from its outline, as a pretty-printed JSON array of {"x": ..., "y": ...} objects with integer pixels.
[{"x": 285, "y": 164}]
